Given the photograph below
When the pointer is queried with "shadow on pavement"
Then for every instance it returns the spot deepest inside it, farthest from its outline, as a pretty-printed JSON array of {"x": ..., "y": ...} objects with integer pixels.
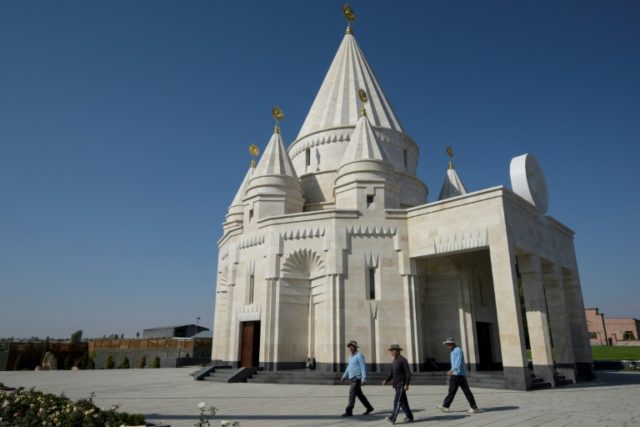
[
  {"x": 610, "y": 378},
  {"x": 499, "y": 408}
]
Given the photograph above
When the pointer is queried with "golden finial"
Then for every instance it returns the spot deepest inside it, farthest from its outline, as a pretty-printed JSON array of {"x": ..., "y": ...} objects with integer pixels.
[
  {"x": 450, "y": 154},
  {"x": 278, "y": 115},
  {"x": 254, "y": 151},
  {"x": 350, "y": 15},
  {"x": 364, "y": 98}
]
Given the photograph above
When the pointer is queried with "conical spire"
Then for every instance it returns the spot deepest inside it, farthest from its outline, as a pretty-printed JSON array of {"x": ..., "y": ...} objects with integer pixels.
[
  {"x": 275, "y": 160},
  {"x": 364, "y": 144},
  {"x": 237, "y": 201},
  {"x": 335, "y": 104},
  {"x": 452, "y": 185}
]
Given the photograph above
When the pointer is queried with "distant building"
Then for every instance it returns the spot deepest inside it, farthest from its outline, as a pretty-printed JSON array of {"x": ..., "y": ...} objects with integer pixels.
[
  {"x": 179, "y": 331},
  {"x": 613, "y": 330}
]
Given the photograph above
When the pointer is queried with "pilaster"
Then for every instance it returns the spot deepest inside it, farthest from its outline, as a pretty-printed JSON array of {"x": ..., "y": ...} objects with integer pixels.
[
  {"x": 537, "y": 317},
  {"x": 560, "y": 331},
  {"x": 509, "y": 317}
]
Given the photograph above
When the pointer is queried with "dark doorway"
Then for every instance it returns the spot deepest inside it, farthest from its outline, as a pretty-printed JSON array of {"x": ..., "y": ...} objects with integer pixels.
[
  {"x": 483, "y": 333},
  {"x": 250, "y": 344}
]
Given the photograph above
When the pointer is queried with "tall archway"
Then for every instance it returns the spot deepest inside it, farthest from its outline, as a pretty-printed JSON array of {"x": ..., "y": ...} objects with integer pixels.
[{"x": 302, "y": 309}]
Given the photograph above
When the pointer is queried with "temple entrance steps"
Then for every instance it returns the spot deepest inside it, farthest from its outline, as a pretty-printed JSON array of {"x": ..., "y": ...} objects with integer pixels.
[{"x": 307, "y": 376}]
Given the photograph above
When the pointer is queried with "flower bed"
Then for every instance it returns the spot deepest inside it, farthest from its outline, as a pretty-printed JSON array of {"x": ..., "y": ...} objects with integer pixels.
[{"x": 20, "y": 407}]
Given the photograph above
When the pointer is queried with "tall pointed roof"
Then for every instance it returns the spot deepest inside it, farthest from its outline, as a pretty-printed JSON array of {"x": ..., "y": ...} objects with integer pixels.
[
  {"x": 336, "y": 103},
  {"x": 275, "y": 160},
  {"x": 364, "y": 144},
  {"x": 452, "y": 185}
]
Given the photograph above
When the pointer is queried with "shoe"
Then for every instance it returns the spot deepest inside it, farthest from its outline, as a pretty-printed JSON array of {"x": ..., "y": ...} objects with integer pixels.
[
  {"x": 368, "y": 411},
  {"x": 443, "y": 408},
  {"x": 408, "y": 420},
  {"x": 473, "y": 411},
  {"x": 391, "y": 420},
  {"x": 347, "y": 414}
]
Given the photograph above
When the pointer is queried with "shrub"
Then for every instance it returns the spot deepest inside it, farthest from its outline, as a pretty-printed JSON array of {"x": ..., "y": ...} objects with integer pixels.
[
  {"x": 29, "y": 408},
  {"x": 124, "y": 363},
  {"x": 110, "y": 364},
  {"x": 142, "y": 362},
  {"x": 156, "y": 362}
]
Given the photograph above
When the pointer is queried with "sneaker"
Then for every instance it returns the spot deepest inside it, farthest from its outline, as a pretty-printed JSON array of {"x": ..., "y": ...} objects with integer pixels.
[
  {"x": 347, "y": 414},
  {"x": 391, "y": 420},
  {"x": 408, "y": 420},
  {"x": 473, "y": 411},
  {"x": 368, "y": 411},
  {"x": 443, "y": 408}
]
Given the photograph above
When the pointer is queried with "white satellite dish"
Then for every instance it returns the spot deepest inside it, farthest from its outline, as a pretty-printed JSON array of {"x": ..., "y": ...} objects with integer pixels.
[{"x": 528, "y": 182}]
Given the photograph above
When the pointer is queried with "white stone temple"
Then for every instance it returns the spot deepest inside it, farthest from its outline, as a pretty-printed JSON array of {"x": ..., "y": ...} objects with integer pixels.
[{"x": 332, "y": 239}]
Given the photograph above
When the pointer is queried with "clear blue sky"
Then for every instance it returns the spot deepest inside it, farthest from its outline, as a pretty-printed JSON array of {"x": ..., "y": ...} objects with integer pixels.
[{"x": 124, "y": 128}]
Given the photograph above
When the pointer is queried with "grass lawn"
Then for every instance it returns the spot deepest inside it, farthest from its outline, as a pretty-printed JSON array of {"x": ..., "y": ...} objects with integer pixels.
[{"x": 601, "y": 352}]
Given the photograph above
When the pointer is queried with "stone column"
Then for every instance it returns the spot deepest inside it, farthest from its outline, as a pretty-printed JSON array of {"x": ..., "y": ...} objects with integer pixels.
[
  {"x": 412, "y": 339},
  {"x": 269, "y": 345},
  {"x": 560, "y": 331},
  {"x": 578, "y": 325},
  {"x": 510, "y": 327},
  {"x": 467, "y": 323},
  {"x": 537, "y": 318}
]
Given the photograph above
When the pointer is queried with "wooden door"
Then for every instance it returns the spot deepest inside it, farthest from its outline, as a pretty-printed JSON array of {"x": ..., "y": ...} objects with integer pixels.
[{"x": 250, "y": 344}]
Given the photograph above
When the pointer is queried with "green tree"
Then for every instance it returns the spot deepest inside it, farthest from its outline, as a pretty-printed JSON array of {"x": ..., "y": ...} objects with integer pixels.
[
  {"x": 156, "y": 362},
  {"x": 110, "y": 364},
  {"x": 67, "y": 362},
  {"x": 124, "y": 363},
  {"x": 76, "y": 337}
]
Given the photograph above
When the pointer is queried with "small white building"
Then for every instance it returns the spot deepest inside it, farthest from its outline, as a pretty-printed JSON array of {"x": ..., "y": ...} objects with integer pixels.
[{"x": 333, "y": 240}]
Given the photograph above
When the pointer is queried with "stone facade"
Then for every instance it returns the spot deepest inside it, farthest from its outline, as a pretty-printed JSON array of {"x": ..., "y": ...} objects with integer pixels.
[{"x": 333, "y": 240}]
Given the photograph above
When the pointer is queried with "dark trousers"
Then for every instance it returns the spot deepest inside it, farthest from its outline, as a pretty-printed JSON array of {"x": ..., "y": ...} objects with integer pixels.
[
  {"x": 400, "y": 401},
  {"x": 456, "y": 381},
  {"x": 356, "y": 391}
]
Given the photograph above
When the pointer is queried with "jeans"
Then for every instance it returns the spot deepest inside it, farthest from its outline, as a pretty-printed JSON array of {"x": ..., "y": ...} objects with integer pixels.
[
  {"x": 456, "y": 381},
  {"x": 356, "y": 391}
]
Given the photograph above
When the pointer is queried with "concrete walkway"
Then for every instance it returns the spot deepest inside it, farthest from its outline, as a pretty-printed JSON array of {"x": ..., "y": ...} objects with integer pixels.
[{"x": 171, "y": 396}]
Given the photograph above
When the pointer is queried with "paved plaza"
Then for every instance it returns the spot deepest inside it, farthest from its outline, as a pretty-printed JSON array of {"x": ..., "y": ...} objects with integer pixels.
[{"x": 171, "y": 396}]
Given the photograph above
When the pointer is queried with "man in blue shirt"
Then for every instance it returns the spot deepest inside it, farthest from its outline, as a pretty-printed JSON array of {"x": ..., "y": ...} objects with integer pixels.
[
  {"x": 457, "y": 378},
  {"x": 356, "y": 372}
]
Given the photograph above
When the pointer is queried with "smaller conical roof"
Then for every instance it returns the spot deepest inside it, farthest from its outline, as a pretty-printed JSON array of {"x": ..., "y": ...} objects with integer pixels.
[
  {"x": 242, "y": 190},
  {"x": 364, "y": 144},
  {"x": 452, "y": 185},
  {"x": 275, "y": 160}
]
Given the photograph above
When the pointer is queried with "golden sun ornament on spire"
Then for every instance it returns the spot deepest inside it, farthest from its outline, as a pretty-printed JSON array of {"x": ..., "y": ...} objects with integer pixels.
[
  {"x": 350, "y": 15},
  {"x": 254, "y": 151},
  {"x": 277, "y": 114},
  {"x": 450, "y": 154},
  {"x": 362, "y": 94}
]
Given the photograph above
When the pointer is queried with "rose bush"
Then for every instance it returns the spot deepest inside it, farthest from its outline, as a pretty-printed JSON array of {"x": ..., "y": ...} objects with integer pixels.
[{"x": 22, "y": 407}]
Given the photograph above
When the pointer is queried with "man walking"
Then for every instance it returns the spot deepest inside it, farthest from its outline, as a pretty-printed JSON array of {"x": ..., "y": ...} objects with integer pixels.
[
  {"x": 457, "y": 378},
  {"x": 356, "y": 372},
  {"x": 400, "y": 376}
]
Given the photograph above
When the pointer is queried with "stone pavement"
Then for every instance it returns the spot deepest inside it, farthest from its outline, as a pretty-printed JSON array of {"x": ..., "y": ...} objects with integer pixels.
[{"x": 172, "y": 396}]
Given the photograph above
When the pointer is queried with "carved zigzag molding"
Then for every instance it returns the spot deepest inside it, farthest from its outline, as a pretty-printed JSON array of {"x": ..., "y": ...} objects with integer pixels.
[
  {"x": 251, "y": 241},
  {"x": 371, "y": 231},
  {"x": 308, "y": 233},
  {"x": 461, "y": 241}
]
